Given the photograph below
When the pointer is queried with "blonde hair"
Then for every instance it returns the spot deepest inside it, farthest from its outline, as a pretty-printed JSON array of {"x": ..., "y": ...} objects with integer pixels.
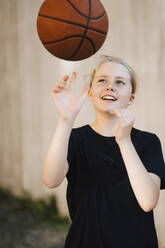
[{"x": 105, "y": 59}]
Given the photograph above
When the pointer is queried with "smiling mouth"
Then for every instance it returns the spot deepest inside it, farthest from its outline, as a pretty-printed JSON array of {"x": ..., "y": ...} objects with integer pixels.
[{"x": 109, "y": 100}]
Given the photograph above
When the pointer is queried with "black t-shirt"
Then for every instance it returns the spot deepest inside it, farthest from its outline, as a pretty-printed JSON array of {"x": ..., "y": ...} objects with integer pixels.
[{"x": 102, "y": 205}]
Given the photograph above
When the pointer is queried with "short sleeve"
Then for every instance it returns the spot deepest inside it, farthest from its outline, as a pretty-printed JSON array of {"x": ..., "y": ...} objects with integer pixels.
[
  {"x": 71, "y": 156},
  {"x": 153, "y": 158}
]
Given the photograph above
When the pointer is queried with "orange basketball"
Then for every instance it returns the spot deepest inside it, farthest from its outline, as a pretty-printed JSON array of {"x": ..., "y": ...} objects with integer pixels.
[{"x": 72, "y": 29}]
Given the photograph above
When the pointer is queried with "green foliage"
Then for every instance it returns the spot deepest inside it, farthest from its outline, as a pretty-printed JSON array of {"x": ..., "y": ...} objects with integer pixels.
[{"x": 41, "y": 210}]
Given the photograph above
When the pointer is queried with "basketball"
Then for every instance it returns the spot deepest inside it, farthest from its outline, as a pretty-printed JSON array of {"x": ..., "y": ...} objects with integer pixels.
[{"x": 72, "y": 29}]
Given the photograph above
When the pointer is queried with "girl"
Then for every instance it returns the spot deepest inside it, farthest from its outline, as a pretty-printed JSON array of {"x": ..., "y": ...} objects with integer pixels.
[{"x": 114, "y": 171}]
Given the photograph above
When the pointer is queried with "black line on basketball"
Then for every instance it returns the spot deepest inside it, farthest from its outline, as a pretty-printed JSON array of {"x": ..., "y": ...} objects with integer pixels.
[
  {"x": 77, "y": 24},
  {"x": 68, "y": 37},
  {"x": 86, "y": 28},
  {"x": 92, "y": 18}
]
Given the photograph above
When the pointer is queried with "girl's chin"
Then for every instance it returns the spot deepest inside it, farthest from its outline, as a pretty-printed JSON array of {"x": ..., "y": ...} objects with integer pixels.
[{"x": 106, "y": 108}]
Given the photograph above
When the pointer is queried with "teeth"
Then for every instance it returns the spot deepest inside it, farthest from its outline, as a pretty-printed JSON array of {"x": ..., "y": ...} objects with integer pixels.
[{"x": 109, "y": 98}]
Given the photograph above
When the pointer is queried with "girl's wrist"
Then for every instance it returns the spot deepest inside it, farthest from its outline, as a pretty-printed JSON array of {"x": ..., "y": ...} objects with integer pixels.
[{"x": 124, "y": 141}]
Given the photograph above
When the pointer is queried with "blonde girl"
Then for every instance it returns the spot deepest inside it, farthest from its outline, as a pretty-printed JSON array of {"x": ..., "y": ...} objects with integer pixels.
[{"x": 114, "y": 170}]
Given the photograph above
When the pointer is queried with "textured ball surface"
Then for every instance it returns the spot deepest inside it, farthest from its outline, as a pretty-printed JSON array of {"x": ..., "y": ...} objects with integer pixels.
[{"x": 72, "y": 29}]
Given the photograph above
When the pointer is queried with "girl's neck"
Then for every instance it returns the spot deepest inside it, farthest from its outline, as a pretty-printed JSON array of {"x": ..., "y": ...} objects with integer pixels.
[{"x": 105, "y": 127}]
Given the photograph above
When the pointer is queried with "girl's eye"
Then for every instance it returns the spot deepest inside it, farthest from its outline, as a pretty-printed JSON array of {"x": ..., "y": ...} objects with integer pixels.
[
  {"x": 101, "y": 80},
  {"x": 119, "y": 81}
]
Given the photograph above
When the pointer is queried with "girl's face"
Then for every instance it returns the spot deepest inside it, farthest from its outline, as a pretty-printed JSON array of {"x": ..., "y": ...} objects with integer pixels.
[{"x": 114, "y": 79}]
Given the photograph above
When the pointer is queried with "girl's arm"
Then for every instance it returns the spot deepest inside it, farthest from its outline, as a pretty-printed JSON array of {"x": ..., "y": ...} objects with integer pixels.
[
  {"x": 68, "y": 106},
  {"x": 145, "y": 186},
  {"x": 53, "y": 171}
]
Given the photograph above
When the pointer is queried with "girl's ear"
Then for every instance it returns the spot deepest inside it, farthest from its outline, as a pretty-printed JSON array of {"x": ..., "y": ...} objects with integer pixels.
[
  {"x": 131, "y": 99},
  {"x": 90, "y": 94}
]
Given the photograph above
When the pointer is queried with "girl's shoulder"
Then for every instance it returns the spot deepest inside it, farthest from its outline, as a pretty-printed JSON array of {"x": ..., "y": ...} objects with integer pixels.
[
  {"x": 142, "y": 133},
  {"x": 78, "y": 131},
  {"x": 144, "y": 137}
]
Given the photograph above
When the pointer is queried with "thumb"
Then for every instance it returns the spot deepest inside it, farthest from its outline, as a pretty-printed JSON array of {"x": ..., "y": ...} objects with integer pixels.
[{"x": 84, "y": 93}]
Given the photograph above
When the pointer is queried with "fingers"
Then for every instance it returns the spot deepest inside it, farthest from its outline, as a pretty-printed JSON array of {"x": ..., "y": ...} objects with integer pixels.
[
  {"x": 124, "y": 114},
  {"x": 60, "y": 85},
  {"x": 72, "y": 81},
  {"x": 84, "y": 92},
  {"x": 118, "y": 113}
]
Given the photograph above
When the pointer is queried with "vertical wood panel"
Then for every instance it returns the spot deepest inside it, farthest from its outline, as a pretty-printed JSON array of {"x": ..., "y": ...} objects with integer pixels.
[{"x": 10, "y": 99}]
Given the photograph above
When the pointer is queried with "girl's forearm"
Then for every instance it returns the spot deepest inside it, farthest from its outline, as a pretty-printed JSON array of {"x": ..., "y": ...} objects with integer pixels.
[
  {"x": 56, "y": 158},
  {"x": 142, "y": 184}
]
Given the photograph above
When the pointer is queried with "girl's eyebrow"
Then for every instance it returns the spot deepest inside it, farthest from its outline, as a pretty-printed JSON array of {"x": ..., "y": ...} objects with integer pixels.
[{"x": 107, "y": 76}]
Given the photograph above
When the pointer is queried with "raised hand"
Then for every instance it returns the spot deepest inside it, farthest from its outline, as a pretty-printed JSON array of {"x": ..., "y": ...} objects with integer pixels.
[
  {"x": 67, "y": 103},
  {"x": 126, "y": 121}
]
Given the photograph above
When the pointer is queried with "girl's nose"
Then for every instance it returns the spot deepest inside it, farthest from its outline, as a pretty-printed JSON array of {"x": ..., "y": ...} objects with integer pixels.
[{"x": 110, "y": 86}]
